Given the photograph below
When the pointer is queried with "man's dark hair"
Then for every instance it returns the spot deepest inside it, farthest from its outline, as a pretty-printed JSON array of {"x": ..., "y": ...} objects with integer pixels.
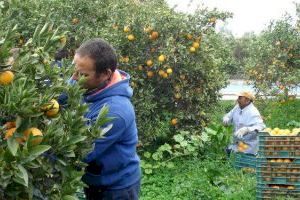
[
  {"x": 61, "y": 53},
  {"x": 101, "y": 52}
]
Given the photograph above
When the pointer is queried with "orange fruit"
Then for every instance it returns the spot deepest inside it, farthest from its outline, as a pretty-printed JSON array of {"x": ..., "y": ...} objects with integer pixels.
[
  {"x": 140, "y": 67},
  {"x": 131, "y": 37},
  {"x": 154, "y": 35},
  {"x": 290, "y": 187},
  {"x": 161, "y": 72},
  {"x": 9, "y": 125},
  {"x": 126, "y": 29},
  {"x": 161, "y": 58},
  {"x": 189, "y": 36},
  {"x": 51, "y": 109},
  {"x": 149, "y": 63},
  {"x": 177, "y": 95},
  {"x": 192, "y": 49},
  {"x": 9, "y": 133},
  {"x": 75, "y": 20},
  {"x": 165, "y": 75},
  {"x": 196, "y": 45},
  {"x": 34, "y": 132},
  {"x": 150, "y": 74},
  {"x": 6, "y": 77},
  {"x": 169, "y": 71},
  {"x": 174, "y": 121}
]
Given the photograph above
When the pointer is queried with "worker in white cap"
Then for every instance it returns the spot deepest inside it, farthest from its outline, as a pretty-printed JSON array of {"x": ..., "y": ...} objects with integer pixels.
[{"x": 247, "y": 121}]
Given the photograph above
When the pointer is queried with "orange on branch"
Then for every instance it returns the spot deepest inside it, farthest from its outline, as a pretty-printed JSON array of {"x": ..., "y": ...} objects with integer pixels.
[
  {"x": 149, "y": 63},
  {"x": 10, "y": 132},
  {"x": 51, "y": 109},
  {"x": 174, "y": 121},
  {"x": 131, "y": 37},
  {"x": 6, "y": 77},
  {"x": 75, "y": 20},
  {"x": 126, "y": 29},
  {"x": 34, "y": 132},
  {"x": 150, "y": 74},
  {"x": 161, "y": 58},
  {"x": 154, "y": 35}
]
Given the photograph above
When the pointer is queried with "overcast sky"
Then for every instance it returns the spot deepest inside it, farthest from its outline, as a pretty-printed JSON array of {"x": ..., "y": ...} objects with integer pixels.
[{"x": 248, "y": 15}]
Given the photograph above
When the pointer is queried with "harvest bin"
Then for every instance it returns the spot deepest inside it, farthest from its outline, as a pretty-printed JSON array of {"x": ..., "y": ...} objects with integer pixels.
[
  {"x": 278, "y": 167},
  {"x": 244, "y": 161}
]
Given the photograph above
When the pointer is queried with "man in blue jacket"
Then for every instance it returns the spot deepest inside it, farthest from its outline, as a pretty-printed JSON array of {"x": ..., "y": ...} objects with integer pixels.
[{"x": 113, "y": 170}]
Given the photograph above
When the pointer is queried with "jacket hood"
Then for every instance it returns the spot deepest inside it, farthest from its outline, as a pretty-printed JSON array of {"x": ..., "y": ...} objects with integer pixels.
[{"x": 121, "y": 88}]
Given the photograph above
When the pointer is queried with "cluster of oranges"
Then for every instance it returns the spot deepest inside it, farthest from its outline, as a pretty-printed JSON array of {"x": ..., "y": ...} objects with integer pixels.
[
  {"x": 10, "y": 130},
  {"x": 196, "y": 43},
  {"x": 282, "y": 132},
  {"x": 50, "y": 110}
]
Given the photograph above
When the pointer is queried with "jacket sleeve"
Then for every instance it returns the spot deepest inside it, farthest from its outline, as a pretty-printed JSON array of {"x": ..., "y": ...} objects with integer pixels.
[
  {"x": 256, "y": 123},
  {"x": 109, "y": 139},
  {"x": 229, "y": 115}
]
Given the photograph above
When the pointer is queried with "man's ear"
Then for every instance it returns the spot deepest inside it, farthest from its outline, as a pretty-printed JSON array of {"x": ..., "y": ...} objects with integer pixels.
[{"x": 109, "y": 73}]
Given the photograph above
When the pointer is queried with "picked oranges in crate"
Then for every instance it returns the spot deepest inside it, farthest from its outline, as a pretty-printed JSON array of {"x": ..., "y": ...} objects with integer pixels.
[{"x": 282, "y": 132}]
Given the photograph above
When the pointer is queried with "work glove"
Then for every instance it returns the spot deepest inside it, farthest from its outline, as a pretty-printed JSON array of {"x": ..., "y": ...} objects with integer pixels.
[
  {"x": 226, "y": 120},
  {"x": 241, "y": 132}
]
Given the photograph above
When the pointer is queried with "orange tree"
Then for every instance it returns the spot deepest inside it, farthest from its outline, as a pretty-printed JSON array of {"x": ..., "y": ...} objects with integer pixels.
[
  {"x": 41, "y": 146},
  {"x": 275, "y": 57},
  {"x": 175, "y": 59}
]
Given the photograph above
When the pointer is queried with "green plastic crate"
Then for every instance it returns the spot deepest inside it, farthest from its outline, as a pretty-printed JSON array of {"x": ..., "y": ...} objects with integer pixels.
[
  {"x": 287, "y": 161},
  {"x": 273, "y": 191},
  {"x": 244, "y": 161},
  {"x": 278, "y": 146}
]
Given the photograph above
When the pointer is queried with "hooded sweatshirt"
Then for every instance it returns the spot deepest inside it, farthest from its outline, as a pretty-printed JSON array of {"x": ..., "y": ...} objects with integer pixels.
[{"x": 115, "y": 154}]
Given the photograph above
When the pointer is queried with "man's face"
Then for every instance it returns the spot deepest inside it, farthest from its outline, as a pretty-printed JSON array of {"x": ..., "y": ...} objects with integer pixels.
[
  {"x": 85, "y": 66},
  {"x": 243, "y": 101}
]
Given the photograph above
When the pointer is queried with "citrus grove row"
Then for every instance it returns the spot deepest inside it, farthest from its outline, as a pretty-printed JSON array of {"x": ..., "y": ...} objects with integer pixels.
[{"x": 178, "y": 63}]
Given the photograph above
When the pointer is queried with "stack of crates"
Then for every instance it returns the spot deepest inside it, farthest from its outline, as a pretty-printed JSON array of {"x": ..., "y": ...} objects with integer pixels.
[{"x": 278, "y": 167}]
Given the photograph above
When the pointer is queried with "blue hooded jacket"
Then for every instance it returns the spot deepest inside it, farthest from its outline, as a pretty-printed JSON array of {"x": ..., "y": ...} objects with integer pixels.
[{"x": 115, "y": 154}]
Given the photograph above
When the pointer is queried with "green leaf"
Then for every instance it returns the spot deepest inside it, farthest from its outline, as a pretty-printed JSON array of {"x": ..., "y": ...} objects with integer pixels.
[
  {"x": 38, "y": 150},
  {"x": 183, "y": 143},
  {"x": 170, "y": 165},
  {"x": 13, "y": 146},
  {"x": 148, "y": 171},
  {"x": 178, "y": 138},
  {"x": 147, "y": 154},
  {"x": 23, "y": 175},
  {"x": 76, "y": 139},
  {"x": 69, "y": 197},
  {"x": 204, "y": 137}
]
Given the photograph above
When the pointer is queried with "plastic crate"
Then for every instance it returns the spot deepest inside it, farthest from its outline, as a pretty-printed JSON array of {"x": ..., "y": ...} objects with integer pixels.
[
  {"x": 278, "y": 146},
  {"x": 271, "y": 191},
  {"x": 287, "y": 161},
  {"x": 244, "y": 161}
]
